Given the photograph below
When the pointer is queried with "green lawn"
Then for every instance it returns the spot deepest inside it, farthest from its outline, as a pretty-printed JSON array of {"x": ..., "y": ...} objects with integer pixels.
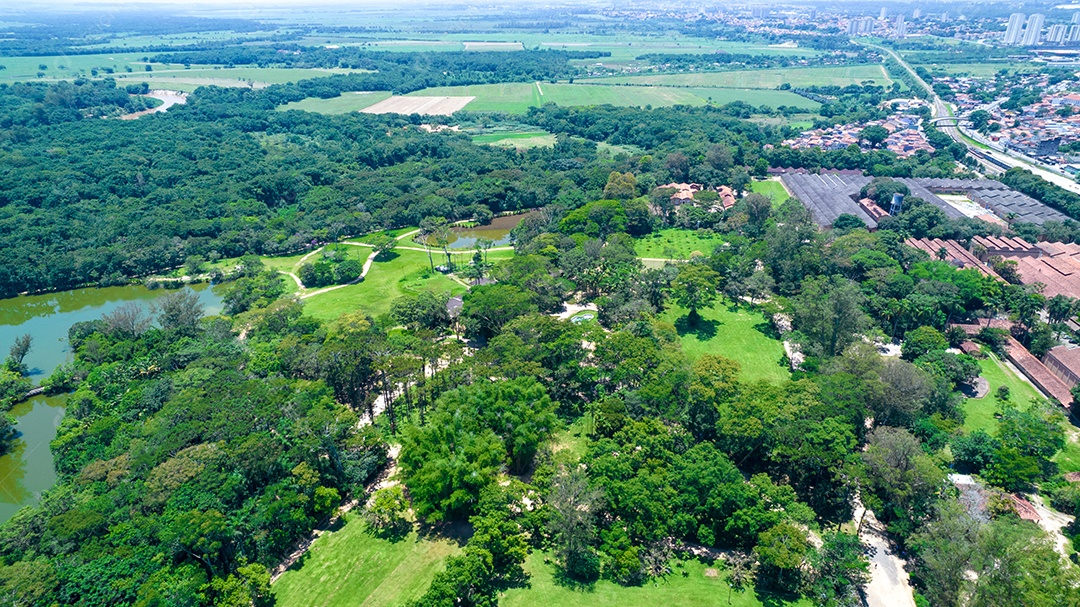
[
  {"x": 520, "y": 141},
  {"x": 351, "y": 567},
  {"x": 979, "y": 412},
  {"x": 701, "y": 586},
  {"x": 763, "y": 79},
  {"x": 343, "y": 104},
  {"x": 676, "y": 243},
  {"x": 773, "y": 190},
  {"x": 408, "y": 272},
  {"x": 735, "y": 333}
]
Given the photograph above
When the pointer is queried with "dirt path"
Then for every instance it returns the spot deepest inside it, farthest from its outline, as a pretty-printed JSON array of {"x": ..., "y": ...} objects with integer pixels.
[
  {"x": 296, "y": 279},
  {"x": 1052, "y": 522},
  {"x": 889, "y": 584},
  {"x": 572, "y": 309},
  {"x": 168, "y": 99}
]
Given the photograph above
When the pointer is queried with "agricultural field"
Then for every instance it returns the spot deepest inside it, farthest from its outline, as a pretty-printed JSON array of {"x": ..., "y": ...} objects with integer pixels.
[
  {"x": 762, "y": 79},
  {"x": 343, "y": 104},
  {"x": 737, "y": 333},
  {"x": 428, "y": 106},
  {"x": 179, "y": 78},
  {"x": 676, "y": 243},
  {"x": 979, "y": 70},
  {"x": 517, "y": 98}
]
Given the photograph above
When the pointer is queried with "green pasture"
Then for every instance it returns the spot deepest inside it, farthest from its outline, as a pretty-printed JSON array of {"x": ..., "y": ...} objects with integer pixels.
[
  {"x": 773, "y": 190},
  {"x": 343, "y": 104},
  {"x": 68, "y": 67},
  {"x": 229, "y": 76},
  {"x": 762, "y": 79},
  {"x": 518, "y": 97},
  {"x": 349, "y": 567},
  {"x": 977, "y": 70},
  {"x": 676, "y": 243},
  {"x": 738, "y": 333},
  {"x": 690, "y": 584},
  {"x": 520, "y": 141}
]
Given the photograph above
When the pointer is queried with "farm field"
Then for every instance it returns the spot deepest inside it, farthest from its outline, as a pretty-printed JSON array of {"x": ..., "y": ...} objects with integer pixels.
[
  {"x": 979, "y": 412},
  {"x": 343, "y": 104},
  {"x": 23, "y": 69},
  {"x": 517, "y": 98},
  {"x": 773, "y": 190},
  {"x": 733, "y": 333},
  {"x": 676, "y": 243},
  {"x": 424, "y": 105},
  {"x": 351, "y": 567},
  {"x": 763, "y": 79},
  {"x": 255, "y": 77}
]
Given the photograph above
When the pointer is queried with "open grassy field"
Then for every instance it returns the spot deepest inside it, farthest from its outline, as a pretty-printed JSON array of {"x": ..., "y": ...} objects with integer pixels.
[
  {"x": 691, "y": 584},
  {"x": 737, "y": 333},
  {"x": 23, "y": 69},
  {"x": 979, "y": 412},
  {"x": 763, "y": 79},
  {"x": 343, "y": 104},
  {"x": 352, "y": 567},
  {"x": 773, "y": 190},
  {"x": 676, "y": 243},
  {"x": 984, "y": 70},
  {"x": 519, "y": 141},
  {"x": 256, "y": 77},
  {"x": 517, "y": 98},
  {"x": 407, "y": 272}
]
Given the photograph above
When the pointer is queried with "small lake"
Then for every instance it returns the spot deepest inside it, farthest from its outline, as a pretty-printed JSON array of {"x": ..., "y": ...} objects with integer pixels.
[
  {"x": 498, "y": 231},
  {"x": 27, "y": 470}
]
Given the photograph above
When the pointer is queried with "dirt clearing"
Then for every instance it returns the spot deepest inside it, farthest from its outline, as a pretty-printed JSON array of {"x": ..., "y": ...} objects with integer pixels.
[{"x": 430, "y": 106}]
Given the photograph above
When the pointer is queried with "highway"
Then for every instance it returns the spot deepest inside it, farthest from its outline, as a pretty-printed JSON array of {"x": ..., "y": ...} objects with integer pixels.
[{"x": 990, "y": 160}]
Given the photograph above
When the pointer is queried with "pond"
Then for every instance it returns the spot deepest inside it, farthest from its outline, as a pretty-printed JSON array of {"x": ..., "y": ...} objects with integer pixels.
[
  {"x": 498, "y": 231},
  {"x": 27, "y": 470}
]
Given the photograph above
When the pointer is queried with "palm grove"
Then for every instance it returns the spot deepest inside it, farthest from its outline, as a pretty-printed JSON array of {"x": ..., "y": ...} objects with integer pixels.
[{"x": 196, "y": 451}]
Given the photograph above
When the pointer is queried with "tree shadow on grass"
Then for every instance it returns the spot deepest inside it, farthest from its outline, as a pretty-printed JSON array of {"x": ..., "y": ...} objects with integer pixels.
[
  {"x": 393, "y": 533},
  {"x": 767, "y": 329},
  {"x": 702, "y": 328},
  {"x": 563, "y": 580},
  {"x": 458, "y": 532},
  {"x": 387, "y": 256}
]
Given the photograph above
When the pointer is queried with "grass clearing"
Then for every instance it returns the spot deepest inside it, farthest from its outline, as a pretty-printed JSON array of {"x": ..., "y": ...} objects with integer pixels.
[
  {"x": 738, "y": 333},
  {"x": 518, "y": 141},
  {"x": 517, "y": 98},
  {"x": 676, "y": 243},
  {"x": 979, "y": 412},
  {"x": 691, "y": 584},
  {"x": 773, "y": 190},
  {"x": 407, "y": 272},
  {"x": 343, "y": 104},
  {"x": 351, "y": 567}
]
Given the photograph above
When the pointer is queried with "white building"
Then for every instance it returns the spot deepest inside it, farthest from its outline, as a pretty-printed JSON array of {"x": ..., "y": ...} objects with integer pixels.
[
  {"x": 884, "y": 13},
  {"x": 1033, "y": 29},
  {"x": 1056, "y": 34},
  {"x": 1014, "y": 29},
  {"x": 900, "y": 27}
]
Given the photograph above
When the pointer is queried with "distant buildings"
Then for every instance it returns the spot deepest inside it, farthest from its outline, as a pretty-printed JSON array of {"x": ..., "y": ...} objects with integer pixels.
[
  {"x": 1015, "y": 28},
  {"x": 1033, "y": 29},
  {"x": 860, "y": 26},
  {"x": 899, "y": 27},
  {"x": 1056, "y": 34},
  {"x": 759, "y": 12},
  {"x": 884, "y": 13},
  {"x": 915, "y": 14}
]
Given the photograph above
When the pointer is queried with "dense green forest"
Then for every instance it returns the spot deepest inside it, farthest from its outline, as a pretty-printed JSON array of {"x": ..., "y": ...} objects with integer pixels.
[{"x": 197, "y": 450}]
